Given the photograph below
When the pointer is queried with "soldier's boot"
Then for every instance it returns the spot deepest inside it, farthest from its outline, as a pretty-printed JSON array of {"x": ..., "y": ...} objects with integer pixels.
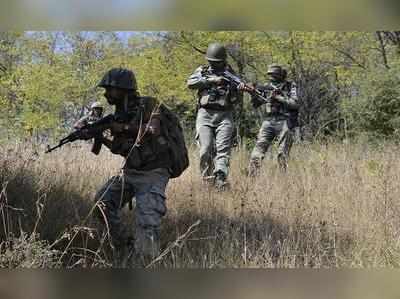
[
  {"x": 121, "y": 249},
  {"x": 282, "y": 162},
  {"x": 208, "y": 181},
  {"x": 208, "y": 177},
  {"x": 129, "y": 253},
  {"x": 119, "y": 253},
  {"x": 147, "y": 247},
  {"x": 220, "y": 181},
  {"x": 254, "y": 167}
]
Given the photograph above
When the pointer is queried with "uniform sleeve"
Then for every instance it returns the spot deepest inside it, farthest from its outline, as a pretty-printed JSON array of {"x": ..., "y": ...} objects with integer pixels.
[
  {"x": 197, "y": 80},
  {"x": 290, "y": 100}
]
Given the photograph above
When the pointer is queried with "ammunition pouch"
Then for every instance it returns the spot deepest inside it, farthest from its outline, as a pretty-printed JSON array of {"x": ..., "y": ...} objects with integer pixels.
[{"x": 215, "y": 98}]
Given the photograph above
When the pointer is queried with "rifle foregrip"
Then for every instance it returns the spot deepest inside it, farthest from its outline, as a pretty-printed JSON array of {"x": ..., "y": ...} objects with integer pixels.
[{"x": 96, "y": 148}]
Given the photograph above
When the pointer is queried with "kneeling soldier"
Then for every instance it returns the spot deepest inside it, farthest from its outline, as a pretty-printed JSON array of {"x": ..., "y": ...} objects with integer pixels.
[{"x": 150, "y": 139}]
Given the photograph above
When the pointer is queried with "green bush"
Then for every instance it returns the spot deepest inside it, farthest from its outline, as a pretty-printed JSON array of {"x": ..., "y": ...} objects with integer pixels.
[
  {"x": 376, "y": 111},
  {"x": 383, "y": 110}
]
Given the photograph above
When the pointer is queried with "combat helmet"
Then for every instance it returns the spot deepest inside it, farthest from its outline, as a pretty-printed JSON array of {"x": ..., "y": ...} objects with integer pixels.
[
  {"x": 216, "y": 52},
  {"x": 96, "y": 105},
  {"x": 119, "y": 77},
  {"x": 275, "y": 69}
]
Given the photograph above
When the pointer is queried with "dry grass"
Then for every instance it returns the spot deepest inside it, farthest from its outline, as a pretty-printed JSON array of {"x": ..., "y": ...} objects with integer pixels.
[{"x": 337, "y": 206}]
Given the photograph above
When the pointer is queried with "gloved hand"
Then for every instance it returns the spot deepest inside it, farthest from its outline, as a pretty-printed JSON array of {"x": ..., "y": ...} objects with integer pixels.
[{"x": 246, "y": 87}]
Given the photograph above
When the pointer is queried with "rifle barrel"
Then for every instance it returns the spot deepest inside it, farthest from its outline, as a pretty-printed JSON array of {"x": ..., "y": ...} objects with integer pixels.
[{"x": 50, "y": 149}]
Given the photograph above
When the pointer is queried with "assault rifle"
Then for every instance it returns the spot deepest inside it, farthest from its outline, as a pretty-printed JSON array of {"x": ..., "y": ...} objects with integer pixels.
[
  {"x": 228, "y": 76},
  {"x": 94, "y": 130}
]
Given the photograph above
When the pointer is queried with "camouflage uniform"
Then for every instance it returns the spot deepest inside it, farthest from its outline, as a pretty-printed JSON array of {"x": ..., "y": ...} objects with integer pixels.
[
  {"x": 91, "y": 117},
  {"x": 148, "y": 189},
  {"x": 86, "y": 120},
  {"x": 280, "y": 119},
  {"x": 214, "y": 122},
  {"x": 145, "y": 174}
]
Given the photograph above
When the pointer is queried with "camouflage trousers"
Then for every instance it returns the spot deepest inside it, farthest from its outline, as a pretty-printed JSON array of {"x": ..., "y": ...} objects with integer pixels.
[
  {"x": 271, "y": 129},
  {"x": 148, "y": 188},
  {"x": 214, "y": 133}
]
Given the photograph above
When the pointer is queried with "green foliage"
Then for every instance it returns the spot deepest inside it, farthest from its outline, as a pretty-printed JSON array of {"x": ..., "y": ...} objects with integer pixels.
[
  {"x": 48, "y": 79},
  {"x": 378, "y": 113},
  {"x": 384, "y": 109}
]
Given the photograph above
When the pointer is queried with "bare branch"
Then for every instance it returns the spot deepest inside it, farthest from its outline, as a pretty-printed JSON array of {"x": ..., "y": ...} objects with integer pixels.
[
  {"x": 3, "y": 68},
  {"x": 349, "y": 56},
  {"x": 382, "y": 49},
  {"x": 185, "y": 39}
]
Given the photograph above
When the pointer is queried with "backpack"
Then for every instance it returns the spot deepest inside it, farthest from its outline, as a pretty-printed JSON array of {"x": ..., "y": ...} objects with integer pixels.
[{"x": 172, "y": 130}]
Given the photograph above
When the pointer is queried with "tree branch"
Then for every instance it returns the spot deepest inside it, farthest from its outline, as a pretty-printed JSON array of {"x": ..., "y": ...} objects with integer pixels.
[
  {"x": 3, "y": 68},
  {"x": 382, "y": 49},
  {"x": 182, "y": 34},
  {"x": 349, "y": 56}
]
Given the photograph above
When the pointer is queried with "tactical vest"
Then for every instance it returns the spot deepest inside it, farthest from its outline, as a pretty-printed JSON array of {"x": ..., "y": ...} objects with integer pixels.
[
  {"x": 274, "y": 107},
  {"x": 152, "y": 151},
  {"x": 167, "y": 150},
  {"x": 221, "y": 97}
]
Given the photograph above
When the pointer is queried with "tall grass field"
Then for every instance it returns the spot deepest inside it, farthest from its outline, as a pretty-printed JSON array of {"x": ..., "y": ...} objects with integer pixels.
[{"x": 338, "y": 205}]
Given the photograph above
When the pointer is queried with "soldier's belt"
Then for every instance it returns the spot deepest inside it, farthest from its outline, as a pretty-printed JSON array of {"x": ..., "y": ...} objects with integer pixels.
[
  {"x": 277, "y": 117},
  {"x": 216, "y": 107}
]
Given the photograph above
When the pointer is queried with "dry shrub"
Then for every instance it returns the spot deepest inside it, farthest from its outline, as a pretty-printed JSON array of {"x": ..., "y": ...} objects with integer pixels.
[{"x": 335, "y": 207}]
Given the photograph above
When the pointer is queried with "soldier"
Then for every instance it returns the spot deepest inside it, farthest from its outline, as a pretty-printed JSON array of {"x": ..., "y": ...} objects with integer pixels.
[
  {"x": 214, "y": 123},
  {"x": 280, "y": 117},
  {"x": 138, "y": 136},
  {"x": 96, "y": 113}
]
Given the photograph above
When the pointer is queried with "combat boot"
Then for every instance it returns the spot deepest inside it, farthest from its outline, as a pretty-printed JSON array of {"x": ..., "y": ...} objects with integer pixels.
[
  {"x": 147, "y": 246},
  {"x": 118, "y": 255},
  {"x": 122, "y": 252},
  {"x": 254, "y": 168},
  {"x": 282, "y": 162},
  {"x": 220, "y": 181}
]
